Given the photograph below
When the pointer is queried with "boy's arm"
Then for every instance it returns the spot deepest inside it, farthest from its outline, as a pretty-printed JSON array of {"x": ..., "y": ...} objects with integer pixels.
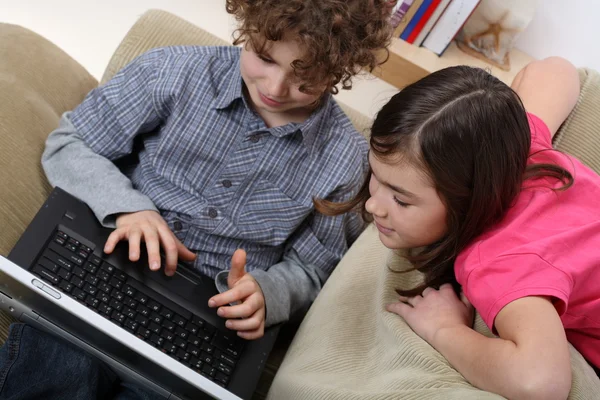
[{"x": 72, "y": 165}]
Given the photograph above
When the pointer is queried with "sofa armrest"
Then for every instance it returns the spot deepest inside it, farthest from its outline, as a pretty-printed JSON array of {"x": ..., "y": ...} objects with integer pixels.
[{"x": 38, "y": 82}]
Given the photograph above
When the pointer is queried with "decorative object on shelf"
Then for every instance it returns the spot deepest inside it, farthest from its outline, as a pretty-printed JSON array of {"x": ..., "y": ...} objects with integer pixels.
[{"x": 491, "y": 31}]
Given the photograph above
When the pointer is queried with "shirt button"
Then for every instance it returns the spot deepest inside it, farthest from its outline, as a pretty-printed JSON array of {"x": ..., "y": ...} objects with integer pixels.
[
  {"x": 254, "y": 139},
  {"x": 177, "y": 226},
  {"x": 212, "y": 212},
  {"x": 227, "y": 183}
]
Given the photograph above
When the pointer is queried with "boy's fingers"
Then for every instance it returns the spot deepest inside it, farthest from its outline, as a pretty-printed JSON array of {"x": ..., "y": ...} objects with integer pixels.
[
  {"x": 238, "y": 267},
  {"x": 170, "y": 248},
  {"x": 153, "y": 247},
  {"x": 134, "y": 238},
  {"x": 115, "y": 237},
  {"x": 254, "y": 322},
  {"x": 238, "y": 293},
  {"x": 184, "y": 253}
]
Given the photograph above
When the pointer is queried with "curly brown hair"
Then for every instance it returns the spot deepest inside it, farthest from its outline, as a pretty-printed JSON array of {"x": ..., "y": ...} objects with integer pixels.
[{"x": 339, "y": 37}]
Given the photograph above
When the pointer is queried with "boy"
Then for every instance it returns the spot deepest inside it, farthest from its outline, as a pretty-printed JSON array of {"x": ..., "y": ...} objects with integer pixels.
[{"x": 218, "y": 149}]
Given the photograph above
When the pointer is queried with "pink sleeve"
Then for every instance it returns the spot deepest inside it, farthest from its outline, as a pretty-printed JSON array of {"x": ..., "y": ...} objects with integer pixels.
[
  {"x": 507, "y": 278},
  {"x": 541, "y": 138}
]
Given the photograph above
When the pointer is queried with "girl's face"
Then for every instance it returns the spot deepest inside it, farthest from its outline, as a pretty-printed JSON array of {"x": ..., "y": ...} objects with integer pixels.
[{"x": 406, "y": 208}]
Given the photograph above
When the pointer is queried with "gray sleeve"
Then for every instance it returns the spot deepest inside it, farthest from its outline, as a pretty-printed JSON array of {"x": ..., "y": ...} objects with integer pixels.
[
  {"x": 289, "y": 287},
  {"x": 73, "y": 166}
]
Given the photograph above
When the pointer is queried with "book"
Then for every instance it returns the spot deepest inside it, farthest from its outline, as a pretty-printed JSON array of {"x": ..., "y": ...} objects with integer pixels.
[
  {"x": 424, "y": 19},
  {"x": 400, "y": 11},
  {"x": 431, "y": 23},
  {"x": 415, "y": 19},
  {"x": 452, "y": 19},
  {"x": 407, "y": 17}
]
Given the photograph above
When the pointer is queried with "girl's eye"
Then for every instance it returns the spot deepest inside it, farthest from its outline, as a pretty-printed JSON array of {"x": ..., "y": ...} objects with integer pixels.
[
  {"x": 265, "y": 59},
  {"x": 401, "y": 203}
]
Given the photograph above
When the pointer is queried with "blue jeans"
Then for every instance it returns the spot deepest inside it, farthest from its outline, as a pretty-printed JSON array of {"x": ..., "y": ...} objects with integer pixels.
[{"x": 36, "y": 365}]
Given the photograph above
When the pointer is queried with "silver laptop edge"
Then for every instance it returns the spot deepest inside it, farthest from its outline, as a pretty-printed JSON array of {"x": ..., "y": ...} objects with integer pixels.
[{"x": 139, "y": 346}]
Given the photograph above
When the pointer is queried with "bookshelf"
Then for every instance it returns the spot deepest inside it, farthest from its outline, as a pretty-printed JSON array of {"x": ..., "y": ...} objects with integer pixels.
[{"x": 408, "y": 63}]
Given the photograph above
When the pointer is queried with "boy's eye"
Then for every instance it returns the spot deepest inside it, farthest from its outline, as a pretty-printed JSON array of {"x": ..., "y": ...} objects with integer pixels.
[
  {"x": 401, "y": 203},
  {"x": 265, "y": 59}
]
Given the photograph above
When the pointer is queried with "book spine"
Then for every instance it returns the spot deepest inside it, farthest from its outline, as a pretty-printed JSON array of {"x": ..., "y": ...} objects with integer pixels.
[
  {"x": 407, "y": 17},
  {"x": 415, "y": 19},
  {"x": 400, "y": 12},
  {"x": 424, "y": 19},
  {"x": 431, "y": 23},
  {"x": 449, "y": 24}
]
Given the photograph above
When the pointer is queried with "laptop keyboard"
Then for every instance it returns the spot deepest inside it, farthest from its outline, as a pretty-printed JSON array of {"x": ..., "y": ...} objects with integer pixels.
[{"x": 70, "y": 266}]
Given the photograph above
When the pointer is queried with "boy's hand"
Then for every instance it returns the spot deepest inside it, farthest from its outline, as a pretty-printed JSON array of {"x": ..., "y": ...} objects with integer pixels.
[
  {"x": 434, "y": 310},
  {"x": 242, "y": 288},
  {"x": 150, "y": 227}
]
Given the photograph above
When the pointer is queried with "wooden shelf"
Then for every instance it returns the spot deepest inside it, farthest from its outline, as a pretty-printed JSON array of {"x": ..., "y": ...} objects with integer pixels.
[{"x": 408, "y": 63}]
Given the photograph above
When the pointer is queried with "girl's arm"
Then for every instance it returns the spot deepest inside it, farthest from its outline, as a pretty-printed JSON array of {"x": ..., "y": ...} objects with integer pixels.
[
  {"x": 549, "y": 89},
  {"x": 530, "y": 360}
]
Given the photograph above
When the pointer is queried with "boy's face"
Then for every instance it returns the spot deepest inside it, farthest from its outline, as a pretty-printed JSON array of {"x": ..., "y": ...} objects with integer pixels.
[{"x": 272, "y": 86}]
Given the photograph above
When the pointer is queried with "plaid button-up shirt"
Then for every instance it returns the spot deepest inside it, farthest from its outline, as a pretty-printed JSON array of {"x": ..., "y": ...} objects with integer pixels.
[{"x": 177, "y": 123}]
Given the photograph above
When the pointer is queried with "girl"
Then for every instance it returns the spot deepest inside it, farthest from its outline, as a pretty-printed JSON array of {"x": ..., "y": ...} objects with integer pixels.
[{"x": 465, "y": 179}]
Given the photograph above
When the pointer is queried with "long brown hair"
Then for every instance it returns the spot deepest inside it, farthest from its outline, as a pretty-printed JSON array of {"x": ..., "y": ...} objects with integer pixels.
[{"x": 470, "y": 134}]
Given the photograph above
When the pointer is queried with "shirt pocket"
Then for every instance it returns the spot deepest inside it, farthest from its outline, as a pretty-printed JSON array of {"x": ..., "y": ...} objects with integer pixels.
[{"x": 269, "y": 215}]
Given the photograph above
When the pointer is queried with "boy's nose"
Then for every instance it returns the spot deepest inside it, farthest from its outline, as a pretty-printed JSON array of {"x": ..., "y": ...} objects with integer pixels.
[{"x": 277, "y": 86}]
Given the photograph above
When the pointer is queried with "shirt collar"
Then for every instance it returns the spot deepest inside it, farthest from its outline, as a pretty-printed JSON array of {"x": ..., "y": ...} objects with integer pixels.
[{"x": 232, "y": 87}]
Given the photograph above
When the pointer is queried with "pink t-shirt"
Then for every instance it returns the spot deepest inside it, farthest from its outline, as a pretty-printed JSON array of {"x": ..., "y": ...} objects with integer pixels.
[{"x": 548, "y": 244}]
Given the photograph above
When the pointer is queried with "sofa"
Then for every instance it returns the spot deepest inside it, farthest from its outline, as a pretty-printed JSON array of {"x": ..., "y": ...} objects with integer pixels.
[{"x": 38, "y": 82}]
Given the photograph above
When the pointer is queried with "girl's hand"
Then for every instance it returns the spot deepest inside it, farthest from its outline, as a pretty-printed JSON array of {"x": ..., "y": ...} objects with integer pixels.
[
  {"x": 150, "y": 227},
  {"x": 433, "y": 311},
  {"x": 248, "y": 317}
]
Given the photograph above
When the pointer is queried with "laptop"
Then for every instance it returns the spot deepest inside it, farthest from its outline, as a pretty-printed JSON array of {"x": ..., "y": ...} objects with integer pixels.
[{"x": 151, "y": 329}]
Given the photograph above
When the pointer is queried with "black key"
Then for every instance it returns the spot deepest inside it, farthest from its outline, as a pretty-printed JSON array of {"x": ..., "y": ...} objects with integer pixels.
[
  {"x": 70, "y": 247},
  {"x": 128, "y": 312},
  {"x": 68, "y": 255},
  {"x": 141, "y": 297},
  {"x": 104, "y": 309},
  {"x": 178, "y": 319},
  {"x": 74, "y": 242},
  {"x": 118, "y": 317},
  {"x": 193, "y": 350},
  {"x": 129, "y": 291},
  {"x": 94, "y": 259},
  {"x": 199, "y": 322},
  {"x": 153, "y": 305},
  {"x": 103, "y": 297},
  {"x": 120, "y": 275},
  {"x": 227, "y": 360},
  {"x": 157, "y": 340},
  {"x": 208, "y": 370},
  {"x": 89, "y": 267},
  {"x": 166, "y": 313},
  {"x": 194, "y": 340},
  {"x": 195, "y": 363},
  {"x": 116, "y": 304},
  {"x": 170, "y": 348},
  {"x": 103, "y": 275},
  {"x": 140, "y": 319},
  {"x": 182, "y": 333},
  {"x": 117, "y": 294},
  {"x": 59, "y": 240},
  {"x": 192, "y": 328},
  {"x": 182, "y": 355},
  {"x": 207, "y": 348},
  {"x": 63, "y": 273},
  {"x": 52, "y": 256},
  {"x": 89, "y": 289},
  {"x": 168, "y": 325},
  {"x": 104, "y": 287},
  {"x": 129, "y": 302},
  {"x": 170, "y": 336},
  {"x": 46, "y": 275},
  {"x": 209, "y": 329},
  {"x": 164, "y": 301},
  {"x": 154, "y": 327},
  {"x": 79, "y": 294},
  {"x": 114, "y": 282},
  {"x": 49, "y": 265},
  {"x": 85, "y": 248},
  {"x": 206, "y": 358},
  {"x": 62, "y": 235},
  {"x": 91, "y": 279},
  {"x": 82, "y": 253},
  {"x": 155, "y": 317},
  {"x": 204, "y": 335},
  {"x": 221, "y": 377},
  {"x": 143, "y": 332},
  {"x": 130, "y": 325},
  {"x": 179, "y": 342},
  {"x": 77, "y": 281},
  {"x": 108, "y": 268},
  {"x": 79, "y": 272},
  {"x": 66, "y": 286},
  {"x": 92, "y": 301},
  {"x": 227, "y": 344},
  {"x": 145, "y": 311},
  {"x": 224, "y": 368}
]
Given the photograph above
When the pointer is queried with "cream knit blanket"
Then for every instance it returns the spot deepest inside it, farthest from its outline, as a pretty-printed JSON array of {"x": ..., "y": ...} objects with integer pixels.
[{"x": 350, "y": 347}]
